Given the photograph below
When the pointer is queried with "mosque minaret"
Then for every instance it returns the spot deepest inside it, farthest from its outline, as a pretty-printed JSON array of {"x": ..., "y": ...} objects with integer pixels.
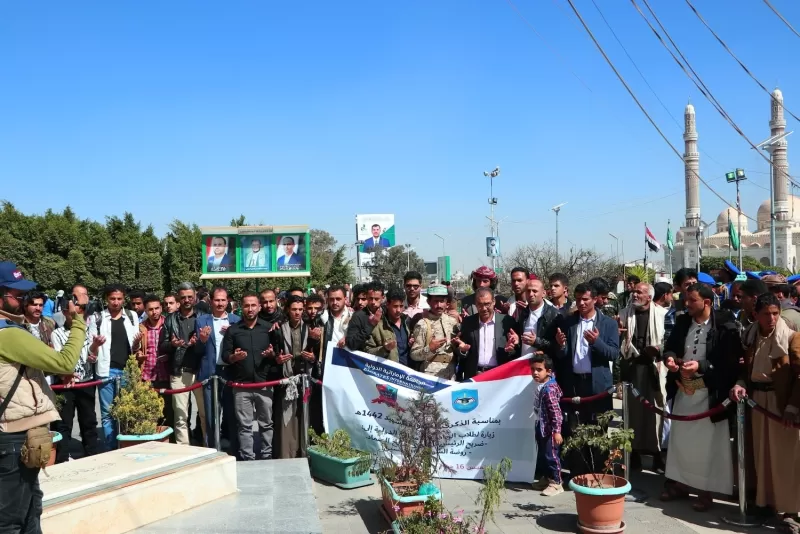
[{"x": 754, "y": 243}]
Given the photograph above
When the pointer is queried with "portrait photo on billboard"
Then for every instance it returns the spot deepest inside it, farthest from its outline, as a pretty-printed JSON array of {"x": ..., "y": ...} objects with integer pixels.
[
  {"x": 291, "y": 252},
  {"x": 375, "y": 231},
  {"x": 220, "y": 254},
  {"x": 254, "y": 254},
  {"x": 493, "y": 247}
]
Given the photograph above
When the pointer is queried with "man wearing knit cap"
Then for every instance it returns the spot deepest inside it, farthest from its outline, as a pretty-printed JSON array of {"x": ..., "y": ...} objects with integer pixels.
[
  {"x": 481, "y": 277},
  {"x": 435, "y": 338}
]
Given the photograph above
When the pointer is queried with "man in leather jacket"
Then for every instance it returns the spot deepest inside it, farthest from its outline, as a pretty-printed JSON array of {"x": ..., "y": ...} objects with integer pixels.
[{"x": 540, "y": 334}]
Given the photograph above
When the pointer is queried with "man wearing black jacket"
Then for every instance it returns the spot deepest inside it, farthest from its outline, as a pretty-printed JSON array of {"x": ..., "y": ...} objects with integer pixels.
[
  {"x": 248, "y": 351},
  {"x": 484, "y": 337},
  {"x": 702, "y": 356},
  {"x": 364, "y": 320},
  {"x": 536, "y": 324}
]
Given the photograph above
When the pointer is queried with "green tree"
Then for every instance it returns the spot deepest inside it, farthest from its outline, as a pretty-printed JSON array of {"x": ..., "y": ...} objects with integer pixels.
[{"x": 390, "y": 265}]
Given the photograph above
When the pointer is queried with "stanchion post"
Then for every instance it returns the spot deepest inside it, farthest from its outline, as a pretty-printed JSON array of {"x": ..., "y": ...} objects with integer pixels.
[
  {"x": 215, "y": 407},
  {"x": 304, "y": 384},
  {"x": 626, "y": 456},
  {"x": 117, "y": 389},
  {"x": 742, "y": 520}
]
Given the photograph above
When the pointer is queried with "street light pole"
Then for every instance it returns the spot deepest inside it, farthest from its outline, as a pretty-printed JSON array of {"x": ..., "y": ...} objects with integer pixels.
[
  {"x": 492, "y": 203},
  {"x": 737, "y": 176},
  {"x": 408, "y": 257},
  {"x": 557, "y": 209},
  {"x": 440, "y": 237},
  {"x": 617, "y": 240}
]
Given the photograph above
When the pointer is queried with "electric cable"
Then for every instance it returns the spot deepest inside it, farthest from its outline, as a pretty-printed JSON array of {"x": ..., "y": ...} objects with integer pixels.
[
  {"x": 641, "y": 107},
  {"x": 782, "y": 18}
]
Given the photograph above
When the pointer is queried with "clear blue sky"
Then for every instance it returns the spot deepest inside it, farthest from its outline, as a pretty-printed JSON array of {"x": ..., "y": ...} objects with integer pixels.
[{"x": 311, "y": 112}]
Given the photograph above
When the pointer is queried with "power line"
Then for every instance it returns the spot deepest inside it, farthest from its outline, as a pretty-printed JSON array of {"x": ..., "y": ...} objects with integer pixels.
[
  {"x": 701, "y": 86},
  {"x": 782, "y": 18},
  {"x": 727, "y": 49},
  {"x": 641, "y": 107},
  {"x": 552, "y": 50}
]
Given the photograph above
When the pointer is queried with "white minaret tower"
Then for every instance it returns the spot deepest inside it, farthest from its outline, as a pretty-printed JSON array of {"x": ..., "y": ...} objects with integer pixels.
[
  {"x": 691, "y": 165},
  {"x": 780, "y": 163}
]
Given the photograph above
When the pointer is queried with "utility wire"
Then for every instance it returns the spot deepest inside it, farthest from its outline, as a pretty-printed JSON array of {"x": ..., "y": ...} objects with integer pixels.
[
  {"x": 698, "y": 81},
  {"x": 641, "y": 107},
  {"x": 727, "y": 49},
  {"x": 552, "y": 50},
  {"x": 781, "y": 17}
]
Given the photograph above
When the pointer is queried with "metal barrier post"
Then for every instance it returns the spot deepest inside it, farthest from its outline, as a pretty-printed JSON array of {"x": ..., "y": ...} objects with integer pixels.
[
  {"x": 635, "y": 495},
  {"x": 117, "y": 389},
  {"x": 215, "y": 407},
  {"x": 304, "y": 384},
  {"x": 742, "y": 520},
  {"x": 626, "y": 456}
]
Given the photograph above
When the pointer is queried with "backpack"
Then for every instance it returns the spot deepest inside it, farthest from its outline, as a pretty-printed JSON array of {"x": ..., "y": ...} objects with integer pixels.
[{"x": 98, "y": 319}]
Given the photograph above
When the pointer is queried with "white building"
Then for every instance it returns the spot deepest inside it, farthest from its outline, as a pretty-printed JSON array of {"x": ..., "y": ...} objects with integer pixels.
[{"x": 754, "y": 242}]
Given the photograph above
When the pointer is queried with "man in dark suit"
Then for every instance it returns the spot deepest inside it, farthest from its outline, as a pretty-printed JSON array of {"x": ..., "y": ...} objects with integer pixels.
[
  {"x": 210, "y": 329},
  {"x": 219, "y": 260},
  {"x": 289, "y": 257},
  {"x": 376, "y": 240},
  {"x": 536, "y": 324},
  {"x": 589, "y": 341},
  {"x": 484, "y": 338}
]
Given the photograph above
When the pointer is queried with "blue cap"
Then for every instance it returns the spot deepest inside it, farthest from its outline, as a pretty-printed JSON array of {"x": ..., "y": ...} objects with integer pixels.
[
  {"x": 705, "y": 278},
  {"x": 731, "y": 267},
  {"x": 11, "y": 277},
  {"x": 753, "y": 275},
  {"x": 794, "y": 278},
  {"x": 765, "y": 273}
]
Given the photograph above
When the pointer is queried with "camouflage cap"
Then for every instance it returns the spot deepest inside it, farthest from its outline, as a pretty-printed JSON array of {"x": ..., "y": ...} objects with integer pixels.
[{"x": 437, "y": 291}]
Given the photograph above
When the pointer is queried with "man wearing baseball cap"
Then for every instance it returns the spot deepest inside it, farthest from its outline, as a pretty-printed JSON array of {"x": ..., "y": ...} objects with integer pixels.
[{"x": 26, "y": 406}]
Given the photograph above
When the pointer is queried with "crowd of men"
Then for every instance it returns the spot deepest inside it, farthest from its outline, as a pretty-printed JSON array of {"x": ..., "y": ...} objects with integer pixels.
[{"x": 685, "y": 344}]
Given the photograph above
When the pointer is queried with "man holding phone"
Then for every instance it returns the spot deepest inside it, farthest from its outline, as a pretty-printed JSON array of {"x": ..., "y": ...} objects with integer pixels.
[{"x": 246, "y": 348}]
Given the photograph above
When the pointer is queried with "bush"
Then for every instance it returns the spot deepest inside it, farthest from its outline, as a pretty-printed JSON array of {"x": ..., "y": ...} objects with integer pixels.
[
  {"x": 338, "y": 446},
  {"x": 137, "y": 407}
]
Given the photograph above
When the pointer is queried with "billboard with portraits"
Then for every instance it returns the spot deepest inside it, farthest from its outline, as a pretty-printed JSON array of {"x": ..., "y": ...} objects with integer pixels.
[
  {"x": 374, "y": 231},
  {"x": 255, "y": 251}
]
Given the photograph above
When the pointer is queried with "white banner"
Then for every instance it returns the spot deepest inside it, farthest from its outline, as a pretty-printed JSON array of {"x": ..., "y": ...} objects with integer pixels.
[{"x": 490, "y": 418}]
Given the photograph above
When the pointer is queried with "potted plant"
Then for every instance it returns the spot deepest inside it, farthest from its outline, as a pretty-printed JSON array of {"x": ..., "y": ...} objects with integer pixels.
[
  {"x": 412, "y": 456},
  {"x": 600, "y": 497},
  {"x": 334, "y": 460},
  {"x": 436, "y": 519},
  {"x": 138, "y": 408}
]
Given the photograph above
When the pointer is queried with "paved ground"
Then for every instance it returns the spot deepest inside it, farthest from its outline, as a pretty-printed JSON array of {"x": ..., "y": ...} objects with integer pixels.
[{"x": 522, "y": 509}]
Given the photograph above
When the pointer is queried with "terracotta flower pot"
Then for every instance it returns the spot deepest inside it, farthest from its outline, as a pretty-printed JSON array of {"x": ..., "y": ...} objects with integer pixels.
[
  {"x": 405, "y": 505},
  {"x": 600, "y": 506}
]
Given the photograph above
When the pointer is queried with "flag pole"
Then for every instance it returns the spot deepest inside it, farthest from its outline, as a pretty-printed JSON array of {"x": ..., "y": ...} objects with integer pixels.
[
  {"x": 730, "y": 251},
  {"x": 646, "y": 246}
]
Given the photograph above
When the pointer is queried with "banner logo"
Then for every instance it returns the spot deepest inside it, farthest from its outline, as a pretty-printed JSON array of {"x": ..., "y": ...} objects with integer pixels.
[
  {"x": 387, "y": 395},
  {"x": 465, "y": 400}
]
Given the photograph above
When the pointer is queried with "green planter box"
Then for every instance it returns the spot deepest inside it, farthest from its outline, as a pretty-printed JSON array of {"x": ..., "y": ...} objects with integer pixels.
[{"x": 337, "y": 471}]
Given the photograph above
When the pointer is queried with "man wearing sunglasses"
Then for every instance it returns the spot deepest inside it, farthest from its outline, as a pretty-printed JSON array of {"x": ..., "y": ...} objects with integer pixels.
[
  {"x": 415, "y": 303},
  {"x": 27, "y": 408}
]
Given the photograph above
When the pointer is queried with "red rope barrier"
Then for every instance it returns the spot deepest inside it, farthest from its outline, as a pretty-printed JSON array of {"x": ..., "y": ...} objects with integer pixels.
[
  {"x": 694, "y": 417},
  {"x": 255, "y": 385},
  {"x": 181, "y": 390},
  {"x": 769, "y": 415},
  {"x": 80, "y": 385},
  {"x": 591, "y": 398}
]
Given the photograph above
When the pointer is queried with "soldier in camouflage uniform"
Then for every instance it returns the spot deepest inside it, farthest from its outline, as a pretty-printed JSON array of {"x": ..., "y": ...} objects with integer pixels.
[
  {"x": 432, "y": 337},
  {"x": 605, "y": 303}
]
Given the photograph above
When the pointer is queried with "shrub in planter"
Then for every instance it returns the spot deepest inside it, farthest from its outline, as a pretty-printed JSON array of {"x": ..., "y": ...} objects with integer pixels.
[
  {"x": 412, "y": 456},
  {"x": 334, "y": 460},
  {"x": 600, "y": 497},
  {"x": 138, "y": 408},
  {"x": 434, "y": 518}
]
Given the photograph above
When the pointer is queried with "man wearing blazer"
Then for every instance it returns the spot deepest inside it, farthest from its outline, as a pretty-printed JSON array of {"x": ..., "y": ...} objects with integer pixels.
[
  {"x": 211, "y": 330},
  {"x": 484, "y": 338},
  {"x": 536, "y": 324},
  {"x": 589, "y": 341}
]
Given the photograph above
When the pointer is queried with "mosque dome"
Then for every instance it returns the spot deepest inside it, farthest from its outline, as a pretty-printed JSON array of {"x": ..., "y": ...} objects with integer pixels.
[
  {"x": 777, "y": 94},
  {"x": 679, "y": 236},
  {"x": 763, "y": 212},
  {"x": 729, "y": 214}
]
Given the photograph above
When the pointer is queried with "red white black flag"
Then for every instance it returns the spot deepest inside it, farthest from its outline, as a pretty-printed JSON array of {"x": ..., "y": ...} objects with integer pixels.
[{"x": 652, "y": 244}]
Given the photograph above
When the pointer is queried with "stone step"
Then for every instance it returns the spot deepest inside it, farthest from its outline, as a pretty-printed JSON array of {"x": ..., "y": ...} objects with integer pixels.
[{"x": 123, "y": 490}]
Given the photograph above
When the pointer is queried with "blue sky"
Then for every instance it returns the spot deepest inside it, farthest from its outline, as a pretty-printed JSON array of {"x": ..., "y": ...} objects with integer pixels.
[{"x": 311, "y": 112}]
